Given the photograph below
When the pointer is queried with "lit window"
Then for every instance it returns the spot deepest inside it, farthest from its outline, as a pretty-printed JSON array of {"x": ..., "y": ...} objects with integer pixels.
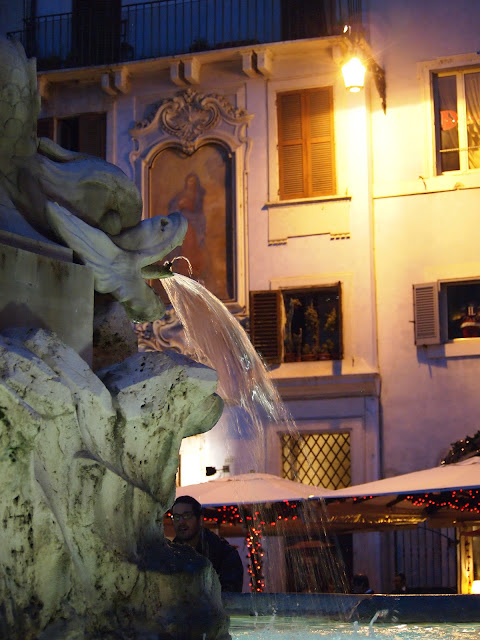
[
  {"x": 446, "y": 311},
  {"x": 297, "y": 325},
  {"x": 306, "y": 143},
  {"x": 319, "y": 459},
  {"x": 457, "y": 120}
]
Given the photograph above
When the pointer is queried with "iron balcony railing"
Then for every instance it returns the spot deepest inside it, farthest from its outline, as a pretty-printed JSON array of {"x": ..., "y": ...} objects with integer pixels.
[{"x": 108, "y": 33}]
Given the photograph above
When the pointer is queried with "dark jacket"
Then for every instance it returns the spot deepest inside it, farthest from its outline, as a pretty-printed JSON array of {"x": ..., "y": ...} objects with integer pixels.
[{"x": 225, "y": 559}]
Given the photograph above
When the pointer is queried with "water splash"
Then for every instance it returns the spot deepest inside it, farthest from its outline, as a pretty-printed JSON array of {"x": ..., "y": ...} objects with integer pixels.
[{"x": 379, "y": 614}]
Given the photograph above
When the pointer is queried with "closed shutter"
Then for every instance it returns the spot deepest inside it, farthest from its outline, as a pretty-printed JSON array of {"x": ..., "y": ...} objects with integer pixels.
[
  {"x": 426, "y": 314},
  {"x": 92, "y": 134},
  {"x": 265, "y": 324},
  {"x": 320, "y": 120},
  {"x": 306, "y": 143},
  {"x": 291, "y": 150}
]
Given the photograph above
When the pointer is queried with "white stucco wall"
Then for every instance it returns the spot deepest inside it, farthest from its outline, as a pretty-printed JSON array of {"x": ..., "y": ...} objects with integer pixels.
[{"x": 426, "y": 403}]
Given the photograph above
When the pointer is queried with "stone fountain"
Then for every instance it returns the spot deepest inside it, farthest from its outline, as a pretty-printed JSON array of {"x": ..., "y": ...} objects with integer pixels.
[{"x": 88, "y": 459}]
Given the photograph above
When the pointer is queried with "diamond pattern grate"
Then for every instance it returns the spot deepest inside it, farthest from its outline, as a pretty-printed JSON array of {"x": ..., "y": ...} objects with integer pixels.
[{"x": 319, "y": 459}]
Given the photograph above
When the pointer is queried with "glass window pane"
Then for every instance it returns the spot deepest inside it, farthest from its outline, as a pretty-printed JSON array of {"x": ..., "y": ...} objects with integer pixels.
[
  {"x": 447, "y": 122},
  {"x": 312, "y": 324},
  {"x": 472, "y": 97},
  {"x": 463, "y": 303}
]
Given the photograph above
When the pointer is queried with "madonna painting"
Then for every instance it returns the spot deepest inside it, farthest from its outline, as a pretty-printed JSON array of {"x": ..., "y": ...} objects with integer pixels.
[{"x": 200, "y": 187}]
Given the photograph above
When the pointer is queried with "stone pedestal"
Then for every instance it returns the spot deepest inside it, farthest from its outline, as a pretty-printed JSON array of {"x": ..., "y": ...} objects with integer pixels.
[{"x": 40, "y": 286}]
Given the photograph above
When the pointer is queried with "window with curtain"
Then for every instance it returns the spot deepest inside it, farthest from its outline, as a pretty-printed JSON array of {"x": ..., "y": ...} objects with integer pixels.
[
  {"x": 457, "y": 120},
  {"x": 306, "y": 143}
]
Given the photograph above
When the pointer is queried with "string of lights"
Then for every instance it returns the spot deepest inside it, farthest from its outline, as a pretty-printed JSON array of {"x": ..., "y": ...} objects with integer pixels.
[
  {"x": 254, "y": 521},
  {"x": 465, "y": 500}
]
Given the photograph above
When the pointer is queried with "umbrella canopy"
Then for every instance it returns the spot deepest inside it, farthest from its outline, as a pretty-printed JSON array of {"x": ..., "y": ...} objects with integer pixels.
[
  {"x": 445, "y": 496},
  {"x": 447, "y": 477},
  {"x": 251, "y": 488}
]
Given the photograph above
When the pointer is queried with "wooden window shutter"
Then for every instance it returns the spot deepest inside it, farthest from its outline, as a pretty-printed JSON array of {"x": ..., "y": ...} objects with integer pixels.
[
  {"x": 426, "y": 313},
  {"x": 306, "y": 143},
  {"x": 321, "y": 149},
  {"x": 92, "y": 129},
  {"x": 291, "y": 149},
  {"x": 45, "y": 128},
  {"x": 265, "y": 324}
]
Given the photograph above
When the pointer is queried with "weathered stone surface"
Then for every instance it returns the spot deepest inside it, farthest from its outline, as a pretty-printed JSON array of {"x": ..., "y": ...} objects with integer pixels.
[
  {"x": 114, "y": 338},
  {"x": 88, "y": 466}
]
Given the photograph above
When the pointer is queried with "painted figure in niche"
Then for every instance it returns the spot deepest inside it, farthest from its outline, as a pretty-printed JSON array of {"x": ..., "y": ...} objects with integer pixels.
[
  {"x": 189, "y": 202},
  {"x": 200, "y": 186}
]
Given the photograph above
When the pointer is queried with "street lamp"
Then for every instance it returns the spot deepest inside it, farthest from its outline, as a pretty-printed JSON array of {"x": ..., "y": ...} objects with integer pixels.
[
  {"x": 359, "y": 59},
  {"x": 353, "y": 73}
]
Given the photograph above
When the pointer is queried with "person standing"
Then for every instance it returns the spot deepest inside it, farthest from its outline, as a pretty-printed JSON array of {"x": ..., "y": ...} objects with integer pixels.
[{"x": 186, "y": 516}]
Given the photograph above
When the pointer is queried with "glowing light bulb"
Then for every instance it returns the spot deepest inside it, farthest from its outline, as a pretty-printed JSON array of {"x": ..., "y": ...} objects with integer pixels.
[{"x": 354, "y": 74}]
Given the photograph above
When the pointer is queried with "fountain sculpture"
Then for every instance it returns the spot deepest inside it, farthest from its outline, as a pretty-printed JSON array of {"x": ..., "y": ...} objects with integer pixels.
[{"x": 88, "y": 460}]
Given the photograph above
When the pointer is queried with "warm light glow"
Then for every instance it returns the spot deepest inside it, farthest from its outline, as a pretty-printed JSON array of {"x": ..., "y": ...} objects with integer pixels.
[
  {"x": 354, "y": 74},
  {"x": 476, "y": 586}
]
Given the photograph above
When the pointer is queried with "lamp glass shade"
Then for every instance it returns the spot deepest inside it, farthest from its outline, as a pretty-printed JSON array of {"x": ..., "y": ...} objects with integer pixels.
[
  {"x": 354, "y": 74},
  {"x": 476, "y": 586}
]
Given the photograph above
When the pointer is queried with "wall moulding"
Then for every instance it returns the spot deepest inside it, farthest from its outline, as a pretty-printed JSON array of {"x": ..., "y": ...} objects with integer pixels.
[
  {"x": 296, "y": 219},
  {"x": 189, "y": 121}
]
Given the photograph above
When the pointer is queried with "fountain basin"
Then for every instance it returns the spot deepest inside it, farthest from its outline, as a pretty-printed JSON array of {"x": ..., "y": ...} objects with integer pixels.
[{"x": 403, "y": 609}]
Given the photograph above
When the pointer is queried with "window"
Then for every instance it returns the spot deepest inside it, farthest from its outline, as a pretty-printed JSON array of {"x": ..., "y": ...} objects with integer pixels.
[
  {"x": 457, "y": 120},
  {"x": 319, "y": 459},
  {"x": 297, "y": 324},
  {"x": 446, "y": 311},
  {"x": 85, "y": 132},
  {"x": 306, "y": 143}
]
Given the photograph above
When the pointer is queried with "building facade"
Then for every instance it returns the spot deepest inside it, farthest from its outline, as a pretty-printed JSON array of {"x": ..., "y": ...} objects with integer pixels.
[{"x": 339, "y": 227}]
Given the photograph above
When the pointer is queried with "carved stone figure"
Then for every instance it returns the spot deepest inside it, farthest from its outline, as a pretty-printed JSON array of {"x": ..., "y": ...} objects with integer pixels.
[
  {"x": 88, "y": 468},
  {"x": 49, "y": 193}
]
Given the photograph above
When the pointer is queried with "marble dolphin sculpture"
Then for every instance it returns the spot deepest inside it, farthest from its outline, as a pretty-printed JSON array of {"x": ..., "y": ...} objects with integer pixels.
[{"x": 52, "y": 194}]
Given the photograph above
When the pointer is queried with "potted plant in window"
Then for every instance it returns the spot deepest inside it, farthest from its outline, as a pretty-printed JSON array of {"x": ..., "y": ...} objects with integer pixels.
[
  {"x": 470, "y": 323},
  {"x": 312, "y": 333}
]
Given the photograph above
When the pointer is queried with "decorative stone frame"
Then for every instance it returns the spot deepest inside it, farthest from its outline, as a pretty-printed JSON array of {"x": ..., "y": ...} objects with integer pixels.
[{"x": 187, "y": 121}]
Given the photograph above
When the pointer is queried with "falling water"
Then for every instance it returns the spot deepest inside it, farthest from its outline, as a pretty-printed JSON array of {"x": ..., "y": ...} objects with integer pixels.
[{"x": 216, "y": 338}]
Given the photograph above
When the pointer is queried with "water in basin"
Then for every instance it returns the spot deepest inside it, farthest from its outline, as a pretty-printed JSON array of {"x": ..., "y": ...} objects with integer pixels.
[{"x": 306, "y": 628}]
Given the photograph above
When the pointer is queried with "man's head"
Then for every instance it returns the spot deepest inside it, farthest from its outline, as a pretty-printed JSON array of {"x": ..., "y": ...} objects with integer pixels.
[{"x": 186, "y": 515}]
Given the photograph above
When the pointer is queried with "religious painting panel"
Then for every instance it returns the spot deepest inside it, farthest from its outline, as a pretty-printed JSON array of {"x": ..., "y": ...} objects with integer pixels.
[{"x": 199, "y": 186}]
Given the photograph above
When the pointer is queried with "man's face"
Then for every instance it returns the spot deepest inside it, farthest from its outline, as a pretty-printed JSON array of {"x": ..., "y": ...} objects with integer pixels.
[{"x": 186, "y": 525}]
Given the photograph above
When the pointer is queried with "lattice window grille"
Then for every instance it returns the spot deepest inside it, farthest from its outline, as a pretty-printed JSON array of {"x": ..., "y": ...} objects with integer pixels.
[{"x": 319, "y": 459}]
